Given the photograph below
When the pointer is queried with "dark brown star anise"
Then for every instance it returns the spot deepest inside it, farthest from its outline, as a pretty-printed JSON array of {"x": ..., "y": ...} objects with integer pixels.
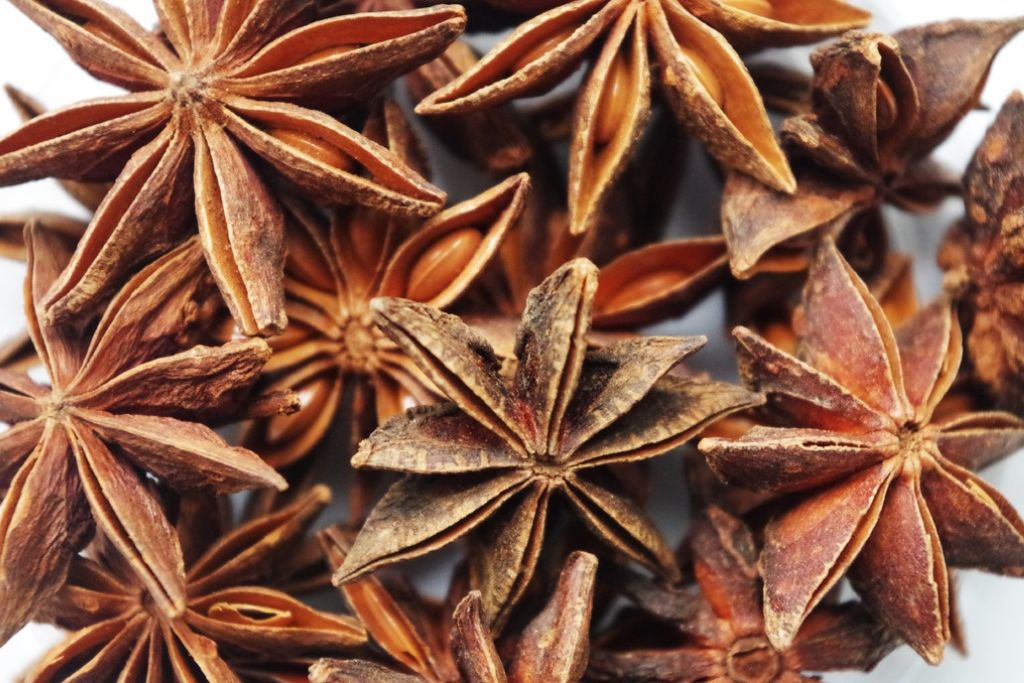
[
  {"x": 703, "y": 78},
  {"x": 721, "y": 624},
  {"x": 220, "y": 78},
  {"x": 552, "y": 648},
  {"x": 508, "y": 441},
  {"x": 231, "y": 628},
  {"x": 881, "y": 478},
  {"x": 984, "y": 258},
  {"x": 881, "y": 104},
  {"x": 119, "y": 405}
]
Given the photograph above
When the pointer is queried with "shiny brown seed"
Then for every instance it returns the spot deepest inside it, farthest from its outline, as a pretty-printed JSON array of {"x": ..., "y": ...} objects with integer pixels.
[
  {"x": 306, "y": 261},
  {"x": 614, "y": 102},
  {"x": 312, "y": 398},
  {"x": 327, "y": 52},
  {"x": 644, "y": 287},
  {"x": 441, "y": 263},
  {"x": 886, "y": 106},
  {"x": 705, "y": 74},
  {"x": 544, "y": 47},
  {"x": 762, "y": 8},
  {"x": 367, "y": 237},
  {"x": 315, "y": 147}
]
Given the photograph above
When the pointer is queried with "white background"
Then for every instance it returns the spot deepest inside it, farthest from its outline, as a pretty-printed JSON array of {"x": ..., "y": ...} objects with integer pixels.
[{"x": 992, "y": 607}]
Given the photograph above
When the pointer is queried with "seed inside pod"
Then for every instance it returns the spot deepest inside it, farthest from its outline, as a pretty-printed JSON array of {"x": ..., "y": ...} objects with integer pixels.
[
  {"x": 644, "y": 287},
  {"x": 367, "y": 236},
  {"x": 706, "y": 75},
  {"x": 762, "y": 8},
  {"x": 306, "y": 262},
  {"x": 441, "y": 263},
  {"x": 312, "y": 398},
  {"x": 327, "y": 52},
  {"x": 544, "y": 47},
  {"x": 611, "y": 110},
  {"x": 887, "y": 110},
  {"x": 313, "y": 146}
]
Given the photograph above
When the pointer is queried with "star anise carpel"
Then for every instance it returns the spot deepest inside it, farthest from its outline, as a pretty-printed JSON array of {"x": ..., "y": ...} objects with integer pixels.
[
  {"x": 507, "y": 442},
  {"x": 232, "y": 627},
  {"x": 879, "y": 476},
  {"x": 720, "y": 626},
  {"x": 702, "y": 76},
  {"x": 881, "y": 104},
  {"x": 123, "y": 401},
  {"x": 216, "y": 88}
]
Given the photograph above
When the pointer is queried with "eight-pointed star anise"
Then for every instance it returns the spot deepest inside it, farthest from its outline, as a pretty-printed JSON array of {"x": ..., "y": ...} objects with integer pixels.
[
  {"x": 983, "y": 257},
  {"x": 881, "y": 478},
  {"x": 222, "y": 77},
  {"x": 118, "y": 404},
  {"x": 721, "y": 624},
  {"x": 508, "y": 441},
  {"x": 703, "y": 78},
  {"x": 232, "y": 627},
  {"x": 552, "y": 648},
  {"x": 881, "y": 105}
]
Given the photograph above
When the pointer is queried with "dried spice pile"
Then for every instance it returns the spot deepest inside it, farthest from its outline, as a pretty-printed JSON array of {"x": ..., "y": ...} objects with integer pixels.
[{"x": 273, "y": 305}]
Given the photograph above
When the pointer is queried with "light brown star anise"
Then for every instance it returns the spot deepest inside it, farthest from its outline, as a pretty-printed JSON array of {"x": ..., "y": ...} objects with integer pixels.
[
  {"x": 437, "y": 648},
  {"x": 881, "y": 478},
  {"x": 508, "y": 441},
  {"x": 721, "y": 626},
  {"x": 703, "y": 78},
  {"x": 983, "y": 257},
  {"x": 222, "y": 77},
  {"x": 335, "y": 267},
  {"x": 231, "y": 628},
  {"x": 119, "y": 405},
  {"x": 881, "y": 104}
]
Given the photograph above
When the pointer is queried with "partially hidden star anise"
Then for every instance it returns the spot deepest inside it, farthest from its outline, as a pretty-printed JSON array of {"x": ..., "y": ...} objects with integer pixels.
[
  {"x": 721, "y": 625},
  {"x": 881, "y": 104},
  {"x": 120, "y": 403},
  {"x": 881, "y": 477},
  {"x": 232, "y": 627},
  {"x": 220, "y": 78},
  {"x": 702, "y": 75},
  {"x": 507, "y": 442},
  {"x": 983, "y": 257},
  {"x": 553, "y": 647}
]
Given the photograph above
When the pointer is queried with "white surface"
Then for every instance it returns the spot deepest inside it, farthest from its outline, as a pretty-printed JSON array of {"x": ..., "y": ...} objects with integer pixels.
[{"x": 992, "y": 607}]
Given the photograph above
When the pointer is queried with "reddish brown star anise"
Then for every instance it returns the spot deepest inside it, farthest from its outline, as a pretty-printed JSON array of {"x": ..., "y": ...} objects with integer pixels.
[
  {"x": 984, "y": 258},
  {"x": 552, "y": 648},
  {"x": 703, "y": 77},
  {"x": 722, "y": 626},
  {"x": 231, "y": 627},
  {"x": 881, "y": 478},
  {"x": 221, "y": 77},
  {"x": 119, "y": 404},
  {"x": 508, "y": 441},
  {"x": 881, "y": 105}
]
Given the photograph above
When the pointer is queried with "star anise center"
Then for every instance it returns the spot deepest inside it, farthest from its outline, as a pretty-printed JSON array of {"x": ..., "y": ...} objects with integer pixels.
[
  {"x": 753, "y": 660},
  {"x": 55, "y": 406},
  {"x": 187, "y": 87},
  {"x": 550, "y": 474},
  {"x": 359, "y": 344}
]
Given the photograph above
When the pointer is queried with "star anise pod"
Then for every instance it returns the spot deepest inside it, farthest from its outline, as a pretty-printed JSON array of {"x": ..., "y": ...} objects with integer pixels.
[
  {"x": 220, "y": 79},
  {"x": 881, "y": 104},
  {"x": 703, "y": 78},
  {"x": 334, "y": 269},
  {"x": 721, "y": 626},
  {"x": 983, "y": 257},
  {"x": 881, "y": 478},
  {"x": 507, "y": 442},
  {"x": 553, "y": 647},
  {"x": 119, "y": 405},
  {"x": 232, "y": 627}
]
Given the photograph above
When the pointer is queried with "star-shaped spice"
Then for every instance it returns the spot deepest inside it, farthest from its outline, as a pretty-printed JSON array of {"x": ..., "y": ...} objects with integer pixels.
[
  {"x": 334, "y": 269},
  {"x": 119, "y": 405},
  {"x": 231, "y": 628},
  {"x": 508, "y": 441},
  {"x": 553, "y": 647},
  {"x": 722, "y": 628},
  {"x": 703, "y": 78},
  {"x": 881, "y": 105},
  {"x": 983, "y": 256},
  {"x": 881, "y": 478},
  {"x": 220, "y": 78}
]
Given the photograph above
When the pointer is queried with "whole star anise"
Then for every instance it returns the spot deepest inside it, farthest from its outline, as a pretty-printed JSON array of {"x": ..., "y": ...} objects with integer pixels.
[
  {"x": 983, "y": 257},
  {"x": 231, "y": 627},
  {"x": 553, "y": 647},
  {"x": 881, "y": 104},
  {"x": 881, "y": 478},
  {"x": 220, "y": 78},
  {"x": 703, "y": 78},
  {"x": 119, "y": 405},
  {"x": 508, "y": 441},
  {"x": 721, "y": 624}
]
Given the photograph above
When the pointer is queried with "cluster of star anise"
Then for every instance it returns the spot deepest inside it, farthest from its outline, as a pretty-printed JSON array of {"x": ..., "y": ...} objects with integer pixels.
[{"x": 267, "y": 257}]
